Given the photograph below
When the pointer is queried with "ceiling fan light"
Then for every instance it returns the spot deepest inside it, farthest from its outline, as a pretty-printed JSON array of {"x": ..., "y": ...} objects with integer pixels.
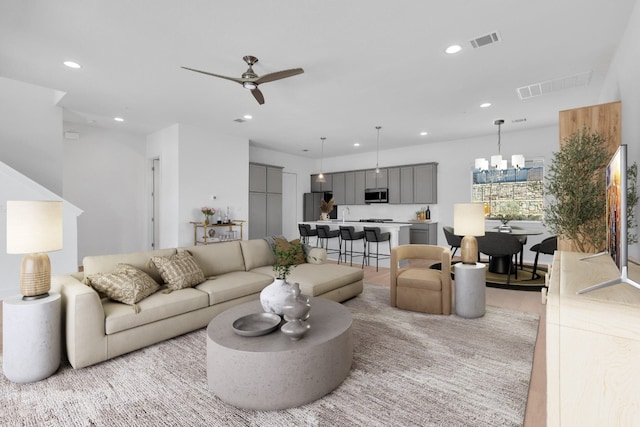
[{"x": 249, "y": 85}]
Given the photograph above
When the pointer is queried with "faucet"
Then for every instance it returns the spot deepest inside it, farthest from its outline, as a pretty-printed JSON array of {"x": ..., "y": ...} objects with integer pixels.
[{"x": 345, "y": 209}]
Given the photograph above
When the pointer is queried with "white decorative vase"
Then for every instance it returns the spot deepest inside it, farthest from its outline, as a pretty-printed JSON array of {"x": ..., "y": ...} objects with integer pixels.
[
  {"x": 324, "y": 216},
  {"x": 273, "y": 296}
]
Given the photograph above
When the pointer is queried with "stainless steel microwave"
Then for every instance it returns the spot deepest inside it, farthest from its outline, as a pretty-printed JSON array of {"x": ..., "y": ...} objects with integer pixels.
[{"x": 376, "y": 195}]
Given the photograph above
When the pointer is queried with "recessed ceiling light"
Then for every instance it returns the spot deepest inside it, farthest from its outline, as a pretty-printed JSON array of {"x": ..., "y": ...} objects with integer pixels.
[
  {"x": 72, "y": 64},
  {"x": 356, "y": 144},
  {"x": 248, "y": 116},
  {"x": 485, "y": 105},
  {"x": 118, "y": 119},
  {"x": 454, "y": 48},
  {"x": 423, "y": 133}
]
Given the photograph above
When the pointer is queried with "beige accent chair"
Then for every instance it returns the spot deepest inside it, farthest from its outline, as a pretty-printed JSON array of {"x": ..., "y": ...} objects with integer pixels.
[{"x": 419, "y": 288}]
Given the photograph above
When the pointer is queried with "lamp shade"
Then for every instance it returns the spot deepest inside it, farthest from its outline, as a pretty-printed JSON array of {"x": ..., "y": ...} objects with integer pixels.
[
  {"x": 34, "y": 226},
  {"x": 468, "y": 219}
]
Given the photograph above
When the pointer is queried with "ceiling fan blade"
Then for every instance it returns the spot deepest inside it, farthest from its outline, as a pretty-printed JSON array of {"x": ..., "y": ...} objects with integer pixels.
[
  {"x": 279, "y": 75},
  {"x": 233, "y": 79},
  {"x": 258, "y": 96}
]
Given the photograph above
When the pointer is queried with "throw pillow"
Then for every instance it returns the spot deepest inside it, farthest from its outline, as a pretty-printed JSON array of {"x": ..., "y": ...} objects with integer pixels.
[
  {"x": 291, "y": 253},
  {"x": 179, "y": 271},
  {"x": 125, "y": 284}
]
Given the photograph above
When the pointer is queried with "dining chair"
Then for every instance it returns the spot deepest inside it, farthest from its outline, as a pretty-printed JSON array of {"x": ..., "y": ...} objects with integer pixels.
[
  {"x": 548, "y": 246},
  {"x": 501, "y": 248}
]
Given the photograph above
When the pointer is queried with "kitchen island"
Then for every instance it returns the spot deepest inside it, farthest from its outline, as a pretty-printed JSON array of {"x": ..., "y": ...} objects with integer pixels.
[{"x": 399, "y": 234}]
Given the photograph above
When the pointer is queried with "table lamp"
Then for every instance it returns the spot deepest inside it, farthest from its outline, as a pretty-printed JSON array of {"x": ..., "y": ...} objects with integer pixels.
[
  {"x": 468, "y": 221},
  {"x": 33, "y": 228}
]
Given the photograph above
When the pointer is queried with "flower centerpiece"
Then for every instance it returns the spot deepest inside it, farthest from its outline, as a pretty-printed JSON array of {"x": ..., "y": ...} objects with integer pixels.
[
  {"x": 207, "y": 212},
  {"x": 326, "y": 208}
]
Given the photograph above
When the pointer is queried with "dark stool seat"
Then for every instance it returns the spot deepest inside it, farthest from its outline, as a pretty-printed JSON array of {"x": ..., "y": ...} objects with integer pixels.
[
  {"x": 306, "y": 232},
  {"x": 324, "y": 234},
  {"x": 348, "y": 235},
  {"x": 548, "y": 246},
  {"x": 373, "y": 235}
]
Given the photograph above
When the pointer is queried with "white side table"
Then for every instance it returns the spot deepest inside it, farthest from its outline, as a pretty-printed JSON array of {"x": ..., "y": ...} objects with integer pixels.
[
  {"x": 31, "y": 337},
  {"x": 470, "y": 290}
]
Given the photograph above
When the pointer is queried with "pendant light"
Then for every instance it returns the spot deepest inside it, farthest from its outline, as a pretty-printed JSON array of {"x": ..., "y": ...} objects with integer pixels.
[
  {"x": 497, "y": 163},
  {"x": 321, "y": 177},
  {"x": 378, "y": 149}
]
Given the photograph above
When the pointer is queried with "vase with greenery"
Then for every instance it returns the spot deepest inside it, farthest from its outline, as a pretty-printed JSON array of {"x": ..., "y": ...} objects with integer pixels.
[
  {"x": 576, "y": 185},
  {"x": 288, "y": 254}
]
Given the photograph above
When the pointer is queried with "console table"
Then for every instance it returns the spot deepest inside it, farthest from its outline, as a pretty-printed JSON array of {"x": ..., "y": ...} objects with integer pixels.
[
  {"x": 207, "y": 239},
  {"x": 593, "y": 344}
]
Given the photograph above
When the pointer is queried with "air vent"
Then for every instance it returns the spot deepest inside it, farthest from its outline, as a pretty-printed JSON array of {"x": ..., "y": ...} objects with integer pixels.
[
  {"x": 569, "y": 82},
  {"x": 521, "y": 120},
  {"x": 486, "y": 39},
  {"x": 240, "y": 120}
]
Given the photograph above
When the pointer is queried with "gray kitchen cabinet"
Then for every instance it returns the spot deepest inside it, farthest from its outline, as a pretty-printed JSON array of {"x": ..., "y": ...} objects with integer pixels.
[
  {"x": 359, "y": 187},
  {"x": 376, "y": 180},
  {"x": 265, "y": 200},
  {"x": 406, "y": 184},
  {"x": 425, "y": 183},
  {"x": 274, "y": 214},
  {"x": 257, "y": 217},
  {"x": 424, "y": 233},
  {"x": 258, "y": 178},
  {"x": 274, "y": 180},
  {"x": 394, "y": 185},
  {"x": 318, "y": 187},
  {"x": 338, "y": 188},
  {"x": 349, "y": 188}
]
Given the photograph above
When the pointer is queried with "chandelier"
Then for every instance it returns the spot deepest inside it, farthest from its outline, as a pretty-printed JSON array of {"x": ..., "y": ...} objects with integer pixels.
[{"x": 497, "y": 163}]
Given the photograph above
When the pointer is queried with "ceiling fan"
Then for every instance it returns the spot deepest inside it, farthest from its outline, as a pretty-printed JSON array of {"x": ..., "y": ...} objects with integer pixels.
[{"x": 250, "y": 80}]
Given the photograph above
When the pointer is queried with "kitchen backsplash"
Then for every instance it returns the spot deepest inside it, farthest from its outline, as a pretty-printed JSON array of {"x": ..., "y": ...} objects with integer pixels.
[{"x": 383, "y": 210}]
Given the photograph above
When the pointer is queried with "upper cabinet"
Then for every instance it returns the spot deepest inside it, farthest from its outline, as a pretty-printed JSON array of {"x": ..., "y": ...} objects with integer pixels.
[
  {"x": 319, "y": 187},
  {"x": 407, "y": 184},
  {"x": 338, "y": 188},
  {"x": 376, "y": 180},
  {"x": 274, "y": 180},
  {"x": 425, "y": 185},
  {"x": 258, "y": 178}
]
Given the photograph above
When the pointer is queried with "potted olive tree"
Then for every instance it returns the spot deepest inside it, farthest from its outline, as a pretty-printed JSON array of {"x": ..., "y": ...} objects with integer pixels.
[{"x": 575, "y": 182}]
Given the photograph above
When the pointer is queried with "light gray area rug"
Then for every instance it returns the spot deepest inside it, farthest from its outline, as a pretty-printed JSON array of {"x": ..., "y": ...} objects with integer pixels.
[{"x": 409, "y": 369}]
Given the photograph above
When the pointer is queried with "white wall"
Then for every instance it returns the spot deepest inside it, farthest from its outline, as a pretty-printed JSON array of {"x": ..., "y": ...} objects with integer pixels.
[
  {"x": 622, "y": 85},
  {"x": 31, "y": 132},
  {"x": 105, "y": 177},
  {"x": 211, "y": 164}
]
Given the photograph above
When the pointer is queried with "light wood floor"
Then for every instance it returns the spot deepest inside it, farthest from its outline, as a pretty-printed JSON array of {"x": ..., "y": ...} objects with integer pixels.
[{"x": 536, "y": 412}]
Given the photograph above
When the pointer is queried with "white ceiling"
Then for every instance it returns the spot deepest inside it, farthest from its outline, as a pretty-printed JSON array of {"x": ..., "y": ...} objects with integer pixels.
[{"x": 366, "y": 63}]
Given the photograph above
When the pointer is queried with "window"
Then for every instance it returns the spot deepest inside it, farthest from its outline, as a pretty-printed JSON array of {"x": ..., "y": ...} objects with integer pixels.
[{"x": 511, "y": 193}]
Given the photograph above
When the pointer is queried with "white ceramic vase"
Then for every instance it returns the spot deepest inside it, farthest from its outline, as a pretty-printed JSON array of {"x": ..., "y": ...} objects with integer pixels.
[{"x": 273, "y": 296}]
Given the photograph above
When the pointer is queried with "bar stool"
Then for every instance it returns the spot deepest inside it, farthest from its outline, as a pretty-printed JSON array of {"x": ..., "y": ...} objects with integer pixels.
[
  {"x": 306, "y": 232},
  {"x": 348, "y": 235},
  {"x": 324, "y": 234},
  {"x": 373, "y": 235}
]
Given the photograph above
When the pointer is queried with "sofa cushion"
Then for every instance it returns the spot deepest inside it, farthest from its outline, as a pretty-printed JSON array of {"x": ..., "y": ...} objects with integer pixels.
[
  {"x": 257, "y": 253},
  {"x": 317, "y": 279},
  {"x": 179, "y": 270},
  {"x": 291, "y": 253},
  {"x": 217, "y": 258},
  {"x": 126, "y": 284},
  {"x": 140, "y": 260},
  {"x": 234, "y": 285},
  {"x": 119, "y": 317}
]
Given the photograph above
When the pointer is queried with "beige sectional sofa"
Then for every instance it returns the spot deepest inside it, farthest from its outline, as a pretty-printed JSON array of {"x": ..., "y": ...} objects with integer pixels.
[{"x": 98, "y": 329}]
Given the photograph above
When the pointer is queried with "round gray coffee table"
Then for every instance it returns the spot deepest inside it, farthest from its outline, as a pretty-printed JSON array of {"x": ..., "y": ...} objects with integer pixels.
[{"x": 272, "y": 371}]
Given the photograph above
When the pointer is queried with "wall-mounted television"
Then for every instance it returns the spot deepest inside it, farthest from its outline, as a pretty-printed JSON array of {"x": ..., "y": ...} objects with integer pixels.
[{"x": 616, "y": 195}]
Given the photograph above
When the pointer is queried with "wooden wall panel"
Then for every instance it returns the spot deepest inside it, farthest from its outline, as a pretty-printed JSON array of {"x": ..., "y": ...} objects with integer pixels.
[{"x": 606, "y": 119}]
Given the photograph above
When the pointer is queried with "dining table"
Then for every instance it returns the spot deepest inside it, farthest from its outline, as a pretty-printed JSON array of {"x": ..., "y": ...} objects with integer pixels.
[{"x": 500, "y": 264}]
